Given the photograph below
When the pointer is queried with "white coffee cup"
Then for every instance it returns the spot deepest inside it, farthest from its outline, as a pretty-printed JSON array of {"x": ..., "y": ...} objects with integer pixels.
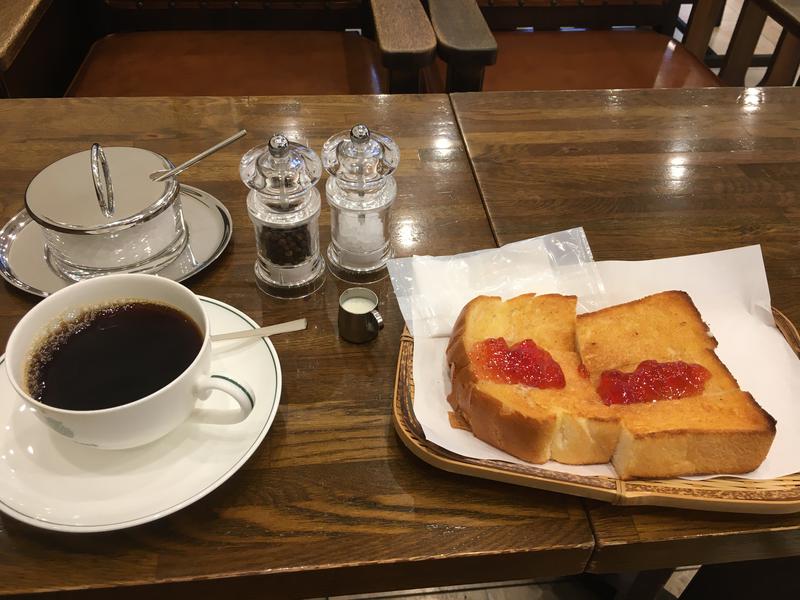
[{"x": 143, "y": 420}]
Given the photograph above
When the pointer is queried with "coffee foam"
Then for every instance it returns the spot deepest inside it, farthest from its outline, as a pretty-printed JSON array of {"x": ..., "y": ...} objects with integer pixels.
[{"x": 59, "y": 330}]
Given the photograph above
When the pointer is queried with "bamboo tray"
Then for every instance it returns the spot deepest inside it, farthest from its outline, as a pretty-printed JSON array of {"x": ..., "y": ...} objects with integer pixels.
[{"x": 777, "y": 496}]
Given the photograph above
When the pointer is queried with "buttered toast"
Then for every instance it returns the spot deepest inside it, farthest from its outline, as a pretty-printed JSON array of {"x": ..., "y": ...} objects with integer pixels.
[
  {"x": 505, "y": 359},
  {"x": 567, "y": 424},
  {"x": 719, "y": 430}
]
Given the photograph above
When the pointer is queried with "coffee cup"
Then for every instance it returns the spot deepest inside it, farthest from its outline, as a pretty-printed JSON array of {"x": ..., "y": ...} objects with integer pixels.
[{"x": 142, "y": 420}]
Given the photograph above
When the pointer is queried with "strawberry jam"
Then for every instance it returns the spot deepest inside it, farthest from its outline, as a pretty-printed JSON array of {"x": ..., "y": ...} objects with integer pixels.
[
  {"x": 524, "y": 363},
  {"x": 652, "y": 381}
]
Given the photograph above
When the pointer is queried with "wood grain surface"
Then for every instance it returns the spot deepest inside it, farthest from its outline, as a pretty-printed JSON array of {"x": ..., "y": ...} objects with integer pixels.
[
  {"x": 652, "y": 174},
  {"x": 17, "y": 20},
  {"x": 648, "y": 174},
  {"x": 403, "y": 32},
  {"x": 462, "y": 32},
  {"x": 331, "y": 502},
  {"x": 645, "y": 538}
]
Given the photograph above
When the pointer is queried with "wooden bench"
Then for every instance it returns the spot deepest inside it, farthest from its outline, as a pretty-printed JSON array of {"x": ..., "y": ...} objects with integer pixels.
[{"x": 214, "y": 47}]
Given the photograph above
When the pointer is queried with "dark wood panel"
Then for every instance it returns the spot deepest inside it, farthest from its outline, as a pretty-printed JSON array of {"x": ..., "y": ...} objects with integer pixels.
[
  {"x": 17, "y": 20},
  {"x": 331, "y": 502},
  {"x": 652, "y": 174},
  {"x": 634, "y": 538},
  {"x": 50, "y": 50}
]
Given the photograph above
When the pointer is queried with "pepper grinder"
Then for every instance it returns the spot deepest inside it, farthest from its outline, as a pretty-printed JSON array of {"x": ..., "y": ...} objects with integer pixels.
[
  {"x": 284, "y": 206},
  {"x": 360, "y": 192}
]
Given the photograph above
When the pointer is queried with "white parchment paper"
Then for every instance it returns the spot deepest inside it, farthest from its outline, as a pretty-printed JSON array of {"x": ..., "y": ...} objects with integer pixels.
[
  {"x": 729, "y": 289},
  {"x": 432, "y": 290}
]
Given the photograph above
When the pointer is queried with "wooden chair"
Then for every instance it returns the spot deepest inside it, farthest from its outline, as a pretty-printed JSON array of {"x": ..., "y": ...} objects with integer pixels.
[
  {"x": 221, "y": 48},
  {"x": 481, "y": 47}
]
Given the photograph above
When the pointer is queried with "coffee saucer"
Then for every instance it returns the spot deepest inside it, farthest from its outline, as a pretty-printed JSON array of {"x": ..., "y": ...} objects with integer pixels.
[
  {"x": 24, "y": 263},
  {"x": 51, "y": 482}
]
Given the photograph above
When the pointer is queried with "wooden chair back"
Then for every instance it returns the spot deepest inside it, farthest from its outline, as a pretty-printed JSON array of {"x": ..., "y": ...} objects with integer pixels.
[
  {"x": 785, "y": 60},
  {"x": 146, "y": 15},
  {"x": 463, "y": 29},
  {"x": 661, "y": 15}
]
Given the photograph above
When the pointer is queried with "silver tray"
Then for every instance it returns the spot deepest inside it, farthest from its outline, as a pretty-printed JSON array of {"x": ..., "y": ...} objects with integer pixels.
[{"x": 23, "y": 257}]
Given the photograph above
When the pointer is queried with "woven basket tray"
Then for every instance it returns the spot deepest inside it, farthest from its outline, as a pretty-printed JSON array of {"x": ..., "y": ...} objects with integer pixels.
[{"x": 775, "y": 496}]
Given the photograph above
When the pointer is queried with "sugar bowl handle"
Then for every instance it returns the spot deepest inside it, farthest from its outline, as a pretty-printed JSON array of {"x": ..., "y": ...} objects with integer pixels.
[{"x": 101, "y": 177}]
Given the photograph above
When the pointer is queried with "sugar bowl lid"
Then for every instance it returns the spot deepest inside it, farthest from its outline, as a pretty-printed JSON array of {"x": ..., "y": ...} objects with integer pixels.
[
  {"x": 360, "y": 158},
  {"x": 100, "y": 190}
]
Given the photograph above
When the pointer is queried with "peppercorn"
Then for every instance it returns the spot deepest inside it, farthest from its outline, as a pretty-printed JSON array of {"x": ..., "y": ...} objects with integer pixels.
[{"x": 285, "y": 247}]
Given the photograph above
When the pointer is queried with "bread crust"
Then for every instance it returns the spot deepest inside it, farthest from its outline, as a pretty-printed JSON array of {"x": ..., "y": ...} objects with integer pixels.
[
  {"x": 456, "y": 348},
  {"x": 525, "y": 434},
  {"x": 707, "y": 440},
  {"x": 681, "y": 453}
]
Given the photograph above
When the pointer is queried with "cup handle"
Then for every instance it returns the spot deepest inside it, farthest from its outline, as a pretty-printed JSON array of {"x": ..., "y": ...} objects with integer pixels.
[
  {"x": 238, "y": 390},
  {"x": 376, "y": 316}
]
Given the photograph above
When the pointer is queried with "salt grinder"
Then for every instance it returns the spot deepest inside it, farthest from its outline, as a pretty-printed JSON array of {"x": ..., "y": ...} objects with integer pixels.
[
  {"x": 360, "y": 192},
  {"x": 284, "y": 206}
]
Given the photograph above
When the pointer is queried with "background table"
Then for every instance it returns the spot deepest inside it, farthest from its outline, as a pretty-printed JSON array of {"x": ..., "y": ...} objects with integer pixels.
[
  {"x": 652, "y": 174},
  {"x": 331, "y": 502}
]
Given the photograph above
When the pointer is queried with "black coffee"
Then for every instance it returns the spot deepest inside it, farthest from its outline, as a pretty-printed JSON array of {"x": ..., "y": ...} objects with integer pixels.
[{"x": 112, "y": 355}]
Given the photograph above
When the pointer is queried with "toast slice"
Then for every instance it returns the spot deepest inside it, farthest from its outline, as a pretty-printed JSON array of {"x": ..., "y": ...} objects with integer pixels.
[
  {"x": 660, "y": 327},
  {"x": 719, "y": 429},
  {"x": 567, "y": 424},
  {"x": 664, "y": 327},
  {"x": 725, "y": 432}
]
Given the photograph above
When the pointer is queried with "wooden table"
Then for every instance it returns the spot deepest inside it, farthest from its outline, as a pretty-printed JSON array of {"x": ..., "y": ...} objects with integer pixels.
[
  {"x": 652, "y": 174},
  {"x": 331, "y": 502}
]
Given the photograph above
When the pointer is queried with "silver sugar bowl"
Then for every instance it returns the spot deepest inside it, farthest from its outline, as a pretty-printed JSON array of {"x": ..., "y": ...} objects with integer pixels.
[{"x": 102, "y": 213}]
